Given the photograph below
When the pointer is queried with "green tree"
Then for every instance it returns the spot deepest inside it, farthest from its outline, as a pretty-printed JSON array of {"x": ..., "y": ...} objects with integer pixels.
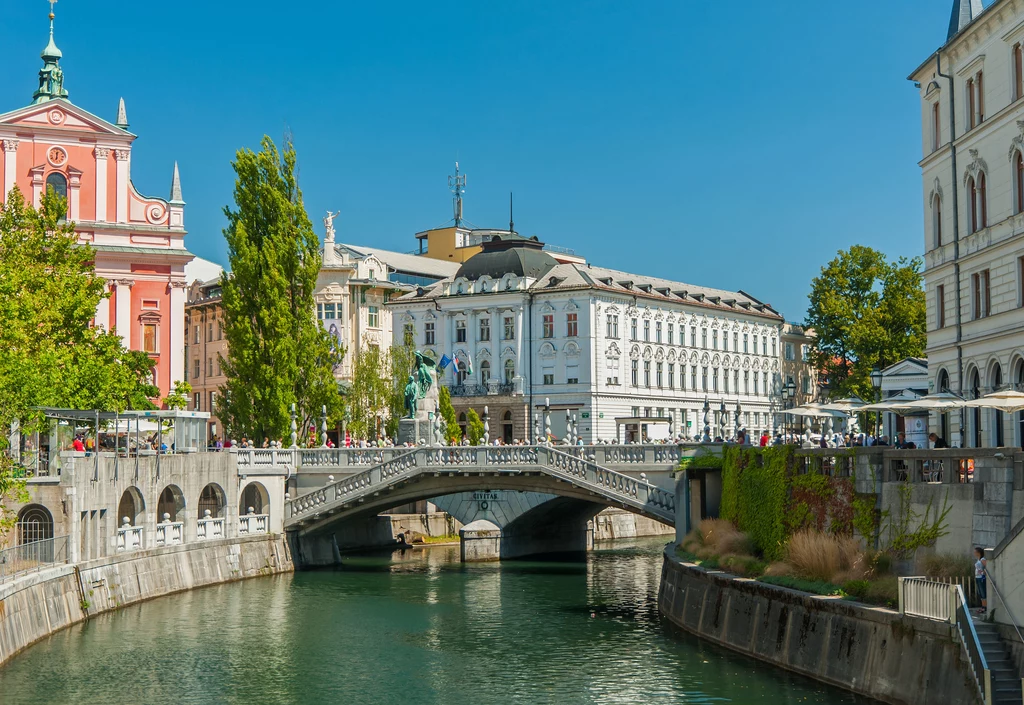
[
  {"x": 178, "y": 398},
  {"x": 474, "y": 427},
  {"x": 866, "y": 311},
  {"x": 278, "y": 354},
  {"x": 449, "y": 422},
  {"x": 50, "y": 353},
  {"x": 401, "y": 358},
  {"x": 369, "y": 397}
]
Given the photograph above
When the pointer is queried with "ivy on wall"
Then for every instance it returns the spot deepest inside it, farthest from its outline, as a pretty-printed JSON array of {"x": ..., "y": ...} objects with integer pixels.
[{"x": 767, "y": 495}]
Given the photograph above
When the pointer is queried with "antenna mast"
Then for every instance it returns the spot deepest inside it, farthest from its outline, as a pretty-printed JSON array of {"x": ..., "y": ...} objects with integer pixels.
[{"x": 457, "y": 185}]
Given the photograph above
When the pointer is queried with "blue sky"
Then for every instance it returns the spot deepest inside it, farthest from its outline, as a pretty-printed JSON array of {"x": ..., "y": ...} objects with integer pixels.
[{"x": 733, "y": 145}]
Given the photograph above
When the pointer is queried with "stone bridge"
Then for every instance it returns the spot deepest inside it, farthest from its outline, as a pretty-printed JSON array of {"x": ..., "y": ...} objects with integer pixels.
[{"x": 326, "y": 520}]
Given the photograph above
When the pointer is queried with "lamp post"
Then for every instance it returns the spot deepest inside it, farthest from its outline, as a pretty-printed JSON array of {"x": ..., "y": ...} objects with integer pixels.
[
  {"x": 707, "y": 422},
  {"x": 487, "y": 429},
  {"x": 323, "y": 424},
  {"x": 295, "y": 429},
  {"x": 876, "y": 382},
  {"x": 723, "y": 414},
  {"x": 547, "y": 420},
  {"x": 739, "y": 410}
]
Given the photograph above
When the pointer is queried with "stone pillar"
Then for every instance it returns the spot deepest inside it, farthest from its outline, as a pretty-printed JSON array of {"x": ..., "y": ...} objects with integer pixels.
[
  {"x": 121, "y": 156},
  {"x": 520, "y": 377},
  {"x": 74, "y": 194},
  {"x": 102, "y": 153},
  {"x": 123, "y": 309},
  {"x": 178, "y": 332},
  {"x": 10, "y": 166}
]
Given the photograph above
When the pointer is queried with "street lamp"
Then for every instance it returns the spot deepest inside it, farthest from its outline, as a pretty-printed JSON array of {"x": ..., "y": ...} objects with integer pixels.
[
  {"x": 876, "y": 382},
  {"x": 723, "y": 415},
  {"x": 785, "y": 406}
]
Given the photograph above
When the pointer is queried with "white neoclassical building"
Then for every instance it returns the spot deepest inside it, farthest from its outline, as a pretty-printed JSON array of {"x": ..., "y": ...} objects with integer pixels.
[
  {"x": 972, "y": 167},
  {"x": 628, "y": 355}
]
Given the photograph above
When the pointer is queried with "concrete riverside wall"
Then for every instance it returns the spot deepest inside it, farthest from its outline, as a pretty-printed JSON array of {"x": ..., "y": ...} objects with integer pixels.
[
  {"x": 874, "y": 652},
  {"x": 38, "y": 604},
  {"x": 622, "y": 524}
]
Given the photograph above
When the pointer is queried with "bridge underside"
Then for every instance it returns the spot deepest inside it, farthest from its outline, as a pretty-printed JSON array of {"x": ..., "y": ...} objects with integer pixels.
[{"x": 558, "y": 520}]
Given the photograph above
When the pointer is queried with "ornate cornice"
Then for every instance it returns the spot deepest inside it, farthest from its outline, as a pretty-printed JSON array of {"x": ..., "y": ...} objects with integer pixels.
[
  {"x": 122, "y": 155},
  {"x": 102, "y": 152},
  {"x": 11, "y": 145}
]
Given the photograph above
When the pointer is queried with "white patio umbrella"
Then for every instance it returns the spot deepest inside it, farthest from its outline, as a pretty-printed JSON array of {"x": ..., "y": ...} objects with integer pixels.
[
  {"x": 814, "y": 411},
  {"x": 846, "y": 405},
  {"x": 1007, "y": 400},
  {"x": 936, "y": 402}
]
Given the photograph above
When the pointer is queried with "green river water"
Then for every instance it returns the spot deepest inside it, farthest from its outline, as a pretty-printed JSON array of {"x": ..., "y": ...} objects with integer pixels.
[{"x": 407, "y": 628}]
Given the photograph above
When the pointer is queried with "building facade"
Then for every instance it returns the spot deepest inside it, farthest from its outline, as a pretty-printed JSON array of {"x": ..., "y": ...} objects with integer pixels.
[
  {"x": 629, "y": 356},
  {"x": 972, "y": 168},
  {"x": 206, "y": 350},
  {"x": 139, "y": 240},
  {"x": 797, "y": 345}
]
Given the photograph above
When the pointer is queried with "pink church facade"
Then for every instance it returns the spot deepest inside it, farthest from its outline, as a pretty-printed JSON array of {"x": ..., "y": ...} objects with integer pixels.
[{"x": 139, "y": 241}]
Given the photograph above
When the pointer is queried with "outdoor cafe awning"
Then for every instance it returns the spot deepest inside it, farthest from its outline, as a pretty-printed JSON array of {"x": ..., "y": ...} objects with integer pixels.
[{"x": 1008, "y": 400}]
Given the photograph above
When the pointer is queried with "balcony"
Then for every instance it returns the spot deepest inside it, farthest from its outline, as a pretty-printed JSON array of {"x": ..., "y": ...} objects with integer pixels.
[{"x": 492, "y": 388}]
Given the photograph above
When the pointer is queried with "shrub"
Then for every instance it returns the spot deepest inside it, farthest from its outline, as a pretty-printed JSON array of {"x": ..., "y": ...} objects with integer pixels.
[
  {"x": 879, "y": 563},
  {"x": 817, "y": 556},
  {"x": 724, "y": 538},
  {"x": 947, "y": 565},
  {"x": 744, "y": 566},
  {"x": 856, "y": 588},
  {"x": 818, "y": 587},
  {"x": 883, "y": 591},
  {"x": 779, "y": 569}
]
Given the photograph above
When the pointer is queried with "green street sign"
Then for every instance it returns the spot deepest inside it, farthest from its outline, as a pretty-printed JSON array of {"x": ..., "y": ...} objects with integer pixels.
[
  {"x": 600, "y": 415},
  {"x": 584, "y": 414}
]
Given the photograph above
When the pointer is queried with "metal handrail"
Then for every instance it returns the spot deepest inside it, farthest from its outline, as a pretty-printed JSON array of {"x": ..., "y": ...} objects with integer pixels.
[
  {"x": 995, "y": 589},
  {"x": 34, "y": 555},
  {"x": 972, "y": 645}
]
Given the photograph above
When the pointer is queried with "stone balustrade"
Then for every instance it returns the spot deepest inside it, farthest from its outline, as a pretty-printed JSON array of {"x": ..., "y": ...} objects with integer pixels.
[
  {"x": 249, "y": 524},
  {"x": 210, "y": 527}
]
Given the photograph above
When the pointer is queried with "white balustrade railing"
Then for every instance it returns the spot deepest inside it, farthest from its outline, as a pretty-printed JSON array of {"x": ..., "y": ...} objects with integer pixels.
[
  {"x": 210, "y": 528},
  {"x": 920, "y": 597},
  {"x": 169, "y": 533},
  {"x": 249, "y": 524},
  {"x": 569, "y": 462},
  {"x": 129, "y": 538}
]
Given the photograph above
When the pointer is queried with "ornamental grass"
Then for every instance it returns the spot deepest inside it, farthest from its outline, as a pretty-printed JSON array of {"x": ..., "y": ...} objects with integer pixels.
[{"x": 817, "y": 556}]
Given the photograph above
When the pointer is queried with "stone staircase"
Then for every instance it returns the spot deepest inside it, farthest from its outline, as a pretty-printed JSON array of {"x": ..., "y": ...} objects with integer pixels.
[{"x": 1006, "y": 681}]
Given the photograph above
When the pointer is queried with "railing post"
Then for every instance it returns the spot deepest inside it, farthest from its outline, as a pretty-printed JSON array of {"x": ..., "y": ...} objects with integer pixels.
[
  {"x": 900, "y": 591},
  {"x": 952, "y": 604},
  {"x": 988, "y": 687}
]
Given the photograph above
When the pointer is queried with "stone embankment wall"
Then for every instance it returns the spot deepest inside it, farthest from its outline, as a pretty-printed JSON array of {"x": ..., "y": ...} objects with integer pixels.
[
  {"x": 38, "y": 604},
  {"x": 874, "y": 652}
]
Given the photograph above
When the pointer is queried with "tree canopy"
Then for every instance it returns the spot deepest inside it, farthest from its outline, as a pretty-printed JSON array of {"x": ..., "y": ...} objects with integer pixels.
[
  {"x": 277, "y": 352},
  {"x": 865, "y": 311},
  {"x": 50, "y": 353}
]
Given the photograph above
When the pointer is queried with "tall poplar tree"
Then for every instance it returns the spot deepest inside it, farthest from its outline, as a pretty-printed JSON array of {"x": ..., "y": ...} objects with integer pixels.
[{"x": 277, "y": 352}]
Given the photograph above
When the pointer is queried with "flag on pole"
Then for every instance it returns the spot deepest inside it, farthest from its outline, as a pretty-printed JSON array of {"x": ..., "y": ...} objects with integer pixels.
[{"x": 444, "y": 362}]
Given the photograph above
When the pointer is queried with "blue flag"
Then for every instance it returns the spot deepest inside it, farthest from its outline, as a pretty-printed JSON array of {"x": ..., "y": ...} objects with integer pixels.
[{"x": 444, "y": 362}]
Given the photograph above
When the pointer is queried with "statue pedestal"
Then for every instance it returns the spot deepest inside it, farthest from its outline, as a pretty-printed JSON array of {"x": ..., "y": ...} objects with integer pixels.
[{"x": 415, "y": 430}]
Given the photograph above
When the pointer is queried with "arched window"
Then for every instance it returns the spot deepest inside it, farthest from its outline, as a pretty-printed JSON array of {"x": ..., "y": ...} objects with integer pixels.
[
  {"x": 937, "y": 219},
  {"x": 59, "y": 184},
  {"x": 972, "y": 204},
  {"x": 997, "y": 415},
  {"x": 506, "y": 427},
  {"x": 1018, "y": 170},
  {"x": 982, "y": 202},
  {"x": 460, "y": 373},
  {"x": 976, "y": 411},
  {"x": 510, "y": 370},
  {"x": 485, "y": 372},
  {"x": 35, "y": 523},
  {"x": 942, "y": 385}
]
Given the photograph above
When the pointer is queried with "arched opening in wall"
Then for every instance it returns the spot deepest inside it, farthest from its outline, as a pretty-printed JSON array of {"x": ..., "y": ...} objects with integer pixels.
[
  {"x": 462, "y": 425},
  {"x": 943, "y": 386},
  {"x": 59, "y": 184},
  {"x": 975, "y": 392},
  {"x": 460, "y": 373},
  {"x": 485, "y": 372},
  {"x": 1018, "y": 384},
  {"x": 510, "y": 370},
  {"x": 998, "y": 440},
  {"x": 972, "y": 205},
  {"x": 170, "y": 504},
  {"x": 255, "y": 500},
  {"x": 213, "y": 500},
  {"x": 131, "y": 507},
  {"x": 506, "y": 428},
  {"x": 937, "y": 220},
  {"x": 35, "y": 523},
  {"x": 1018, "y": 178}
]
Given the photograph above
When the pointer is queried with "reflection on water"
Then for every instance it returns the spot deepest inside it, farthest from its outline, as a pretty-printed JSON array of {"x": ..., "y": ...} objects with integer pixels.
[{"x": 412, "y": 627}]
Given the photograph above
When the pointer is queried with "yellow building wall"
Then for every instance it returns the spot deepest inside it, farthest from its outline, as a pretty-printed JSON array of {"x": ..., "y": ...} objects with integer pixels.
[{"x": 441, "y": 245}]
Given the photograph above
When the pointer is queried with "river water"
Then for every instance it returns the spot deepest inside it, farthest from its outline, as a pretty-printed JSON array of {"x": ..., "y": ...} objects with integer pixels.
[{"x": 407, "y": 628}]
